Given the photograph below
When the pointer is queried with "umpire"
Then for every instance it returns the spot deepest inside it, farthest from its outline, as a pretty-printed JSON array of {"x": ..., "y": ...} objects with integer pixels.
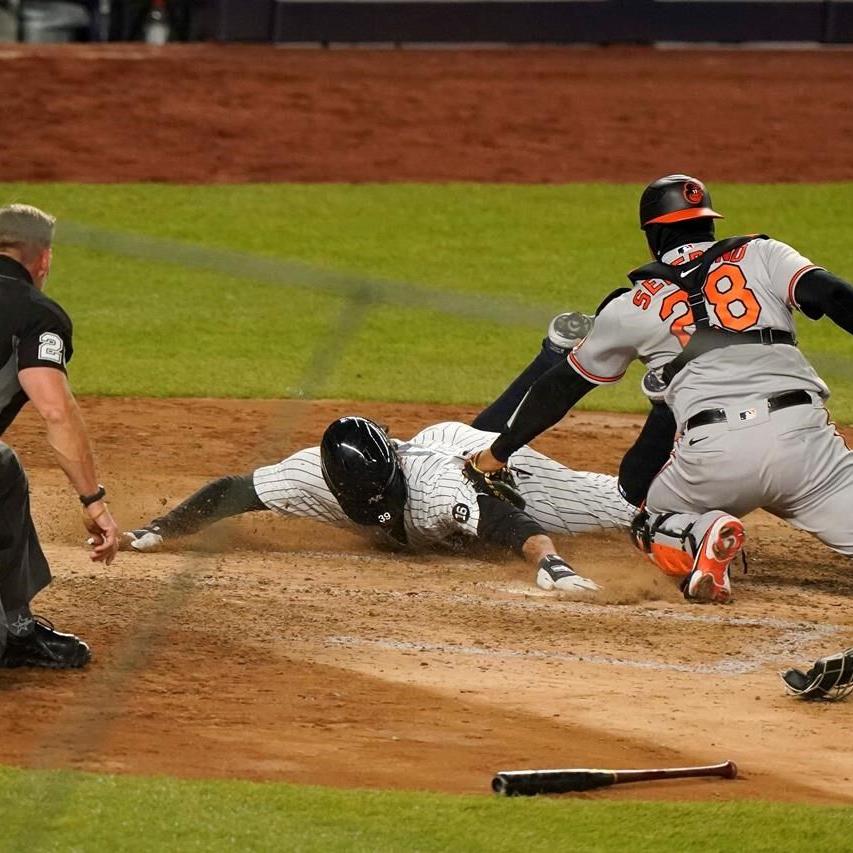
[{"x": 35, "y": 345}]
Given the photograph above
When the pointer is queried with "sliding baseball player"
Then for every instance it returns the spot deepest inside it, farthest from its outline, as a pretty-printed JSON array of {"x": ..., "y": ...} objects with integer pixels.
[{"x": 416, "y": 495}]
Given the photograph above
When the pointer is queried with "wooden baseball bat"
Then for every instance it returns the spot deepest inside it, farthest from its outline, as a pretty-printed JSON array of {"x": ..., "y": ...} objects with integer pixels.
[{"x": 528, "y": 783}]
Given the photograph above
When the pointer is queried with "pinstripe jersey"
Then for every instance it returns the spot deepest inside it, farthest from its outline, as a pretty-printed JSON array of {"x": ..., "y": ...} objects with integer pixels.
[{"x": 441, "y": 508}]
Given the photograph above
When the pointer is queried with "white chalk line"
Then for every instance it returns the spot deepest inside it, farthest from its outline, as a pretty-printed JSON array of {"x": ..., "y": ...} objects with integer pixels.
[
  {"x": 538, "y": 600},
  {"x": 795, "y": 636},
  {"x": 637, "y": 611},
  {"x": 531, "y": 598},
  {"x": 793, "y": 641}
]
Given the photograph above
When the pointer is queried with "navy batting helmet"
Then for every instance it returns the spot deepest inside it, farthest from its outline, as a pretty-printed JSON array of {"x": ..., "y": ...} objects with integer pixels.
[
  {"x": 362, "y": 471},
  {"x": 675, "y": 198}
]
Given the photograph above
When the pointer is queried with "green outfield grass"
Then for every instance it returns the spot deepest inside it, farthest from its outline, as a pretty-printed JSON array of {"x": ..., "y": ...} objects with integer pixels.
[
  {"x": 156, "y": 327},
  {"x": 73, "y": 811},
  {"x": 151, "y": 323}
]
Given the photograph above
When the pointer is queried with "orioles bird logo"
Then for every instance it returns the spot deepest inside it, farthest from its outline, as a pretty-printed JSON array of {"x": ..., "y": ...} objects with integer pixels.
[{"x": 694, "y": 193}]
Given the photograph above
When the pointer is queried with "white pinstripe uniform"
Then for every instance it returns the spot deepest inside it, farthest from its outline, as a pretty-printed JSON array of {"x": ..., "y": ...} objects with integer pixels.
[
  {"x": 791, "y": 462},
  {"x": 442, "y": 505}
]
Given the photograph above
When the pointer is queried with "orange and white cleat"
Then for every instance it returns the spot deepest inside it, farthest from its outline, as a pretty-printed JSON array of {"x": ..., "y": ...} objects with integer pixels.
[{"x": 709, "y": 581}]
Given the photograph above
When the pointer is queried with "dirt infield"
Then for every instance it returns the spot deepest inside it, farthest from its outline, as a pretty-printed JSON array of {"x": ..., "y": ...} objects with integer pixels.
[
  {"x": 207, "y": 113},
  {"x": 284, "y": 650}
]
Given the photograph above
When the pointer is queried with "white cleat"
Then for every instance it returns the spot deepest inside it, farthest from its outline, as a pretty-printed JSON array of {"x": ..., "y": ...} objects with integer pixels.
[
  {"x": 566, "y": 331},
  {"x": 145, "y": 540},
  {"x": 555, "y": 574}
]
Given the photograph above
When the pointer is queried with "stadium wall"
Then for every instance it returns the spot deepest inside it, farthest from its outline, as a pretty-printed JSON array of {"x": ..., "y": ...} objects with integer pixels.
[{"x": 527, "y": 21}]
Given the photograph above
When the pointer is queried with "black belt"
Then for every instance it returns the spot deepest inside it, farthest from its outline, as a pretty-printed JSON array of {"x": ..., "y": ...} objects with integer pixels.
[{"x": 774, "y": 403}]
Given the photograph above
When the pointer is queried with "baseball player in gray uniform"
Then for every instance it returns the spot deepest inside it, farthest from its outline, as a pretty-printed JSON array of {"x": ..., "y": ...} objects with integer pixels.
[
  {"x": 712, "y": 320},
  {"x": 416, "y": 495}
]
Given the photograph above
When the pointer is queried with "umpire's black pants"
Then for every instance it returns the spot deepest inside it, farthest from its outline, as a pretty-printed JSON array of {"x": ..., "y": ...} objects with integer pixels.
[{"x": 23, "y": 566}]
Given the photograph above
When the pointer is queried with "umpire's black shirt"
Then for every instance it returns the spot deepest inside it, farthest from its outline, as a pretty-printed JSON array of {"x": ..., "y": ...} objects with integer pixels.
[{"x": 34, "y": 332}]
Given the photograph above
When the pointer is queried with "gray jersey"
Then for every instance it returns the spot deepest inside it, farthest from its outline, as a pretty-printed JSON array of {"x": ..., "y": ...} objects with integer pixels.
[
  {"x": 751, "y": 287},
  {"x": 442, "y": 505},
  {"x": 789, "y": 461}
]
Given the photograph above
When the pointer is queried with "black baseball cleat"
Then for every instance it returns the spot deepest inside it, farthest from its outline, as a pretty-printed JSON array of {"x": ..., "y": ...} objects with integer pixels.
[{"x": 45, "y": 647}]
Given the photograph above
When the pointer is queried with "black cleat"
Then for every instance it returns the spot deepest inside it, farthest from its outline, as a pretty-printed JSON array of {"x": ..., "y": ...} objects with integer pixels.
[{"x": 45, "y": 647}]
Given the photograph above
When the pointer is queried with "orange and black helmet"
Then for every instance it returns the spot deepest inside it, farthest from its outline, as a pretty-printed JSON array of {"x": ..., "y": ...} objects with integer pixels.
[{"x": 675, "y": 198}]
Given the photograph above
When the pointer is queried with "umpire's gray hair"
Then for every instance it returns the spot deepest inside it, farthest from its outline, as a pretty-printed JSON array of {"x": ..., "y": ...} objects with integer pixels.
[{"x": 25, "y": 228}]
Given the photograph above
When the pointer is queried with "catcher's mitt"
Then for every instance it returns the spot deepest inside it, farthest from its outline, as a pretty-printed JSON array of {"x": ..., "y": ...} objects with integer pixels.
[
  {"x": 499, "y": 484},
  {"x": 830, "y": 679}
]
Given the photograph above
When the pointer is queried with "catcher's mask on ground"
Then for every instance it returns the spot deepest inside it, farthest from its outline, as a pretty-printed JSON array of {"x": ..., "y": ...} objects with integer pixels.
[
  {"x": 362, "y": 471},
  {"x": 830, "y": 679}
]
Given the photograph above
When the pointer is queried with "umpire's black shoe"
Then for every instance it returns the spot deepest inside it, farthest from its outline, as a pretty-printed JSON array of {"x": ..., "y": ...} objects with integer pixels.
[{"x": 45, "y": 647}]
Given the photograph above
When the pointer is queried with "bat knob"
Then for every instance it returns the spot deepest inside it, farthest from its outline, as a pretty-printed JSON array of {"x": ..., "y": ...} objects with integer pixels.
[{"x": 731, "y": 770}]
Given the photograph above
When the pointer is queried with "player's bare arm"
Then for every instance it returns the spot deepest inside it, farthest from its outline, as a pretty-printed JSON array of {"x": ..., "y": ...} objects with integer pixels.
[{"x": 49, "y": 392}]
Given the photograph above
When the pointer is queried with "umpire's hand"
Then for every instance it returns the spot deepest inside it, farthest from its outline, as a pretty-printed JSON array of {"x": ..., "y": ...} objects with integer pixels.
[{"x": 105, "y": 533}]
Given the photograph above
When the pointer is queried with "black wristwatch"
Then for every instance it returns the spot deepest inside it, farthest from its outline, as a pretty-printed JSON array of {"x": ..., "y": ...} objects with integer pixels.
[{"x": 88, "y": 500}]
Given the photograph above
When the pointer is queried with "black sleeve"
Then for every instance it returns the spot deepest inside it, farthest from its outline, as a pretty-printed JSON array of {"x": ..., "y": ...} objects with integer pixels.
[
  {"x": 547, "y": 402},
  {"x": 820, "y": 293},
  {"x": 643, "y": 461},
  {"x": 503, "y": 524},
  {"x": 45, "y": 338},
  {"x": 218, "y": 499},
  {"x": 496, "y": 415}
]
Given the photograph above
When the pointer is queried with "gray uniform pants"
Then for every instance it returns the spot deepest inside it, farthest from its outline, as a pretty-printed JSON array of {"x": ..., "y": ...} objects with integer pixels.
[
  {"x": 791, "y": 463},
  {"x": 23, "y": 566}
]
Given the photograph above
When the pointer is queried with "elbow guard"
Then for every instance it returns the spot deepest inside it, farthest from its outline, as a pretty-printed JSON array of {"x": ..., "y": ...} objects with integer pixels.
[{"x": 505, "y": 525}]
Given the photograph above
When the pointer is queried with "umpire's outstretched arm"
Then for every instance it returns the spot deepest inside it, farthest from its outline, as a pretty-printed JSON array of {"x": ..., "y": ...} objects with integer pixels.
[{"x": 49, "y": 392}]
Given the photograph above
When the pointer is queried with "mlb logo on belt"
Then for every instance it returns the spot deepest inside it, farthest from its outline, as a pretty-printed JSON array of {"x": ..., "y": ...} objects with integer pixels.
[{"x": 749, "y": 414}]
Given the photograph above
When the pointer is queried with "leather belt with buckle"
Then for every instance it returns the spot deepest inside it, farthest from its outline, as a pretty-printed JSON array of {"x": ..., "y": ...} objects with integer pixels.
[{"x": 778, "y": 401}]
